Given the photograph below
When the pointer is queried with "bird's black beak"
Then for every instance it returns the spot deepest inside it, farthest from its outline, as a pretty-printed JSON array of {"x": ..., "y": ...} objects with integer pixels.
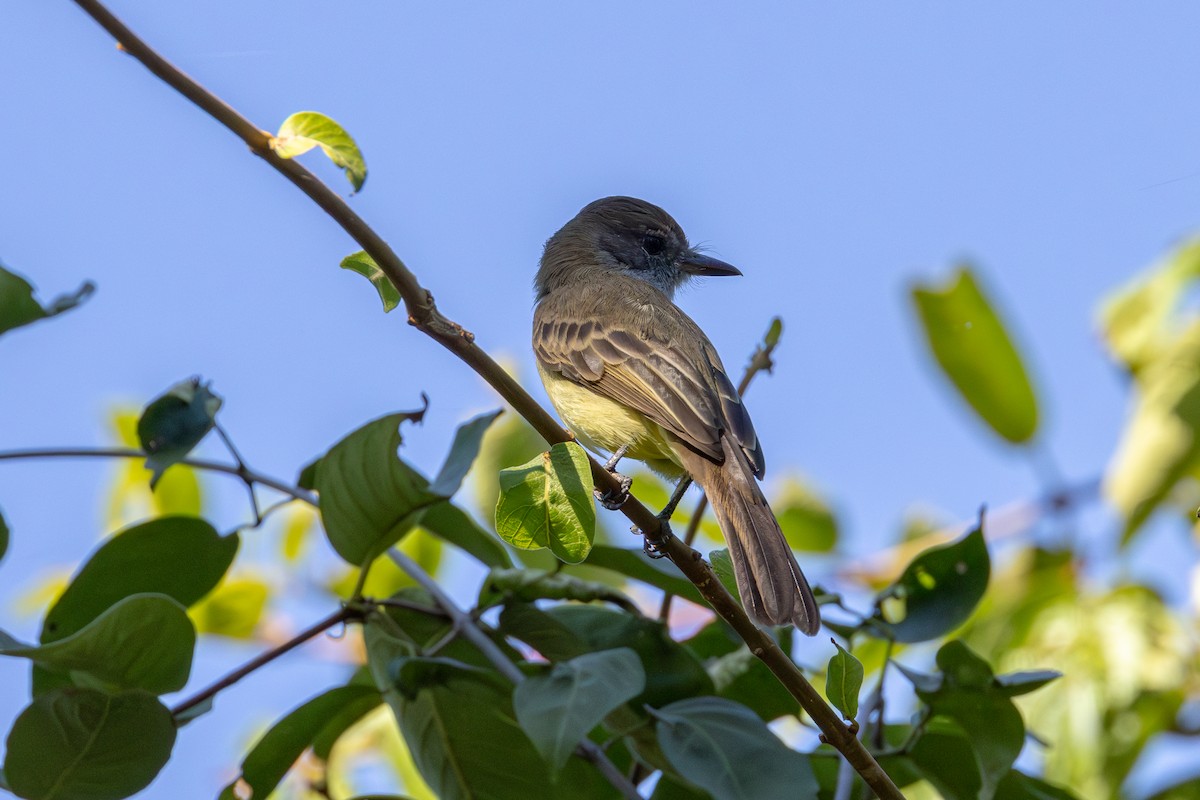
[{"x": 695, "y": 263}]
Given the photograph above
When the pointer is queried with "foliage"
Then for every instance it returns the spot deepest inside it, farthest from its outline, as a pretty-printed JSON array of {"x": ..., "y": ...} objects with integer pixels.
[{"x": 569, "y": 669}]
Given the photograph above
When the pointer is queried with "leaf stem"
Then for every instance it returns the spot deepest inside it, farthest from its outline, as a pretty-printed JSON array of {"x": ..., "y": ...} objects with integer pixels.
[{"x": 243, "y": 472}]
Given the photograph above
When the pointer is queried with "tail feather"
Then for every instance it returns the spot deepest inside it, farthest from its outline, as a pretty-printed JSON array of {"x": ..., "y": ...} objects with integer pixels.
[{"x": 772, "y": 587}]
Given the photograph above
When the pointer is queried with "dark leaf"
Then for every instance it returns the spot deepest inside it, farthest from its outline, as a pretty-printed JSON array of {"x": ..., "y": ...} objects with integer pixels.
[
  {"x": 451, "y": 524},
  {"x": 369, "y": 497},
  {"x": 726, "y": 749},
  {"x": 940, "y": 588},
  {"x": 4, "y": 535},
  {"x": 557, "y": 709},
  {"x": 460, "y": 728},
  {"x": 464, "y": 449},
  {"x": 175, "y": 422},
  {"x": 1018, "y": 683},
  {"x": 18, "y": 306},
  {"x": 741, "y": 677},
  {"x": 86, "y": 745},
  {"x": 634, "y": 564},
  {"x": 1019, "y": 786},
  {"x": 528, "y": 585},
  {"x": 273, "y": 755},
  {"x": 566, "y": 631},
  {"x": 144, "y": 641},
  {"x": 181, "y": 557}
]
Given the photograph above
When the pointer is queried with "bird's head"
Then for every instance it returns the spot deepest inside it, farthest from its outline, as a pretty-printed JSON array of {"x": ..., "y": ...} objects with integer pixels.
[{"x": 625, "y": 235}]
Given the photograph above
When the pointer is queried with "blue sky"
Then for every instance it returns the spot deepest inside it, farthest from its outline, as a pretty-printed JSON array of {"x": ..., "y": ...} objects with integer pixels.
[{"x": 834, "y": 152}]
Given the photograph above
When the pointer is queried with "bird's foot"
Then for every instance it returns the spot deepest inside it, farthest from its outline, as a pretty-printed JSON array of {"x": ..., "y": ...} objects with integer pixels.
[
  {"x": 614, "y": 500},
  {"x": 655, "y": 546}
]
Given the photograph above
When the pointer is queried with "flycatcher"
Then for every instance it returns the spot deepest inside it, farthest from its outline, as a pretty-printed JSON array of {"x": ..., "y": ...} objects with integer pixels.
[{"x": 628, "y": 371}]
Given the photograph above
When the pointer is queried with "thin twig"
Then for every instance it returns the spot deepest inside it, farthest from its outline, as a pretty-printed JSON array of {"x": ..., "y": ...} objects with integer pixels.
[
  {"x": 467, "y": 627},
  {"x": 341, "y": 615},
  {"x": 243, "y": 471},
  {"x": 197, "y": 463},
  {"x": 423, "y": 313}
]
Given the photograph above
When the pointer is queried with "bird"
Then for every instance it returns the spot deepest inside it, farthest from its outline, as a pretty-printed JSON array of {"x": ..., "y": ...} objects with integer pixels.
[{"x": 632, "y": 375}]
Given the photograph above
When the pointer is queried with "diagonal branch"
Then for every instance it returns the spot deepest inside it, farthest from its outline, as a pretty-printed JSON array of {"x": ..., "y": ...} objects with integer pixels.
[{"x": 423, "y": 314}]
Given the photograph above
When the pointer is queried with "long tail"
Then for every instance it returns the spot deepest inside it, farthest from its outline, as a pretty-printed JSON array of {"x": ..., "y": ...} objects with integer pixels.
[{"x": 773, "y": 589}]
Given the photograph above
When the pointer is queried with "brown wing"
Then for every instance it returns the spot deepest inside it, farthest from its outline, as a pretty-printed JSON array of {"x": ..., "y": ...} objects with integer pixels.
[{"x": 669, "y": 372}]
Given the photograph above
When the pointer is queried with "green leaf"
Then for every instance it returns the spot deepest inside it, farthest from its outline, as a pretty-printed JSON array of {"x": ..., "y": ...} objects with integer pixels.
[
  {"x": 181, "y": 557},
  {"x": 362, "y": 263},
  {"x": 464, "y": 449},
  {"x": 451, "y": 524},
  {"x": 943, "y": 756},
  {"x": 305, "y": 130},
  {"x": 548, "y": 503},
  {"x": 1138, "y": 320},
  {"x": 143, "y": 642},
  {"x": 18, "y": 306},
  {"x": 273, "y": 755},
  {"x": 969, "y": 341},
  {"x": 634, "y": 564},
  {"x": 723, "y": 566},
  {"x": 774, "y": 331},
  {"x": 528, "y": 585},
  {"x": 175, "y": 422},
  {"x": 940, "y": 588},
  {"x": 370, "y": 498},
  {"x": 968, "y": 695},
  {"x": 1018, "y": 683},
  {"x": 558, "y": 709},
  {"x": 743, "y": 678},
  {"x": 459, "y": 725},
  {"x": 729, "y": 752},
  {"x": 566, "y": 631},
  {"x": 805, "y": 518},
  {"x": 3, "y": 537},
  {"x": 1161, "y": 443},
  {"x": 1019, "y": 786},
  {"x": 843, "y": 680},
  {"x": 86, "y": 745}
]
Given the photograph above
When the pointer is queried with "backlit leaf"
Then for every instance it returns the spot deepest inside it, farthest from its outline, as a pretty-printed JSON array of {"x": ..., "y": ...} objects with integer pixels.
[
  {"x": 970, "y": 343},
  {"x": 548, "y": 503},
  {"x": 305, "y": 130}
]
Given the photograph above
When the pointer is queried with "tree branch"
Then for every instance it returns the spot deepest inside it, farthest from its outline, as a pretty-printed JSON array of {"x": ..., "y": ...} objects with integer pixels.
[
  {"x": 464, "y": 624},
  {"x": 423, "y": 313},
  {"x": 341, "y": 615},
  {"x": 241, "y": 472}
]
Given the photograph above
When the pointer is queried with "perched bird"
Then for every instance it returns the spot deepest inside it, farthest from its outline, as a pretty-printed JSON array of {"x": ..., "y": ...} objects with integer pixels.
[{"x": 630, "y": 373}]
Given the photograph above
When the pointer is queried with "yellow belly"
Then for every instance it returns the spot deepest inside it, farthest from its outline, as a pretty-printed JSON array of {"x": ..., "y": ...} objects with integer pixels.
[{"x": 604, "y": 426}]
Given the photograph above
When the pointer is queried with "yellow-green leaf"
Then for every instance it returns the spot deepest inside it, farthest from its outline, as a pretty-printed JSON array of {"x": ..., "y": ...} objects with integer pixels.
[
  {"x": 969, "y": 341},
  {"x": 1162, "y": 440},
  {"x": 547, "y": 502},
  {"x": 305, "y": 130},
  {"x": 362, "y": 263}
]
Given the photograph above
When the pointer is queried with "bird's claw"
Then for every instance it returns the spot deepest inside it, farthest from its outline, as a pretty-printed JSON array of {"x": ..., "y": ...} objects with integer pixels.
[
  {"x": 655, "y": 546},
  {"x": 614, "y": 500}
]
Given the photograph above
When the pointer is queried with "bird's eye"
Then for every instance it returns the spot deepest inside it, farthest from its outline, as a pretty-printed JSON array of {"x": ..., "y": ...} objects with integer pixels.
[{"x": 653, "y": 244}]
